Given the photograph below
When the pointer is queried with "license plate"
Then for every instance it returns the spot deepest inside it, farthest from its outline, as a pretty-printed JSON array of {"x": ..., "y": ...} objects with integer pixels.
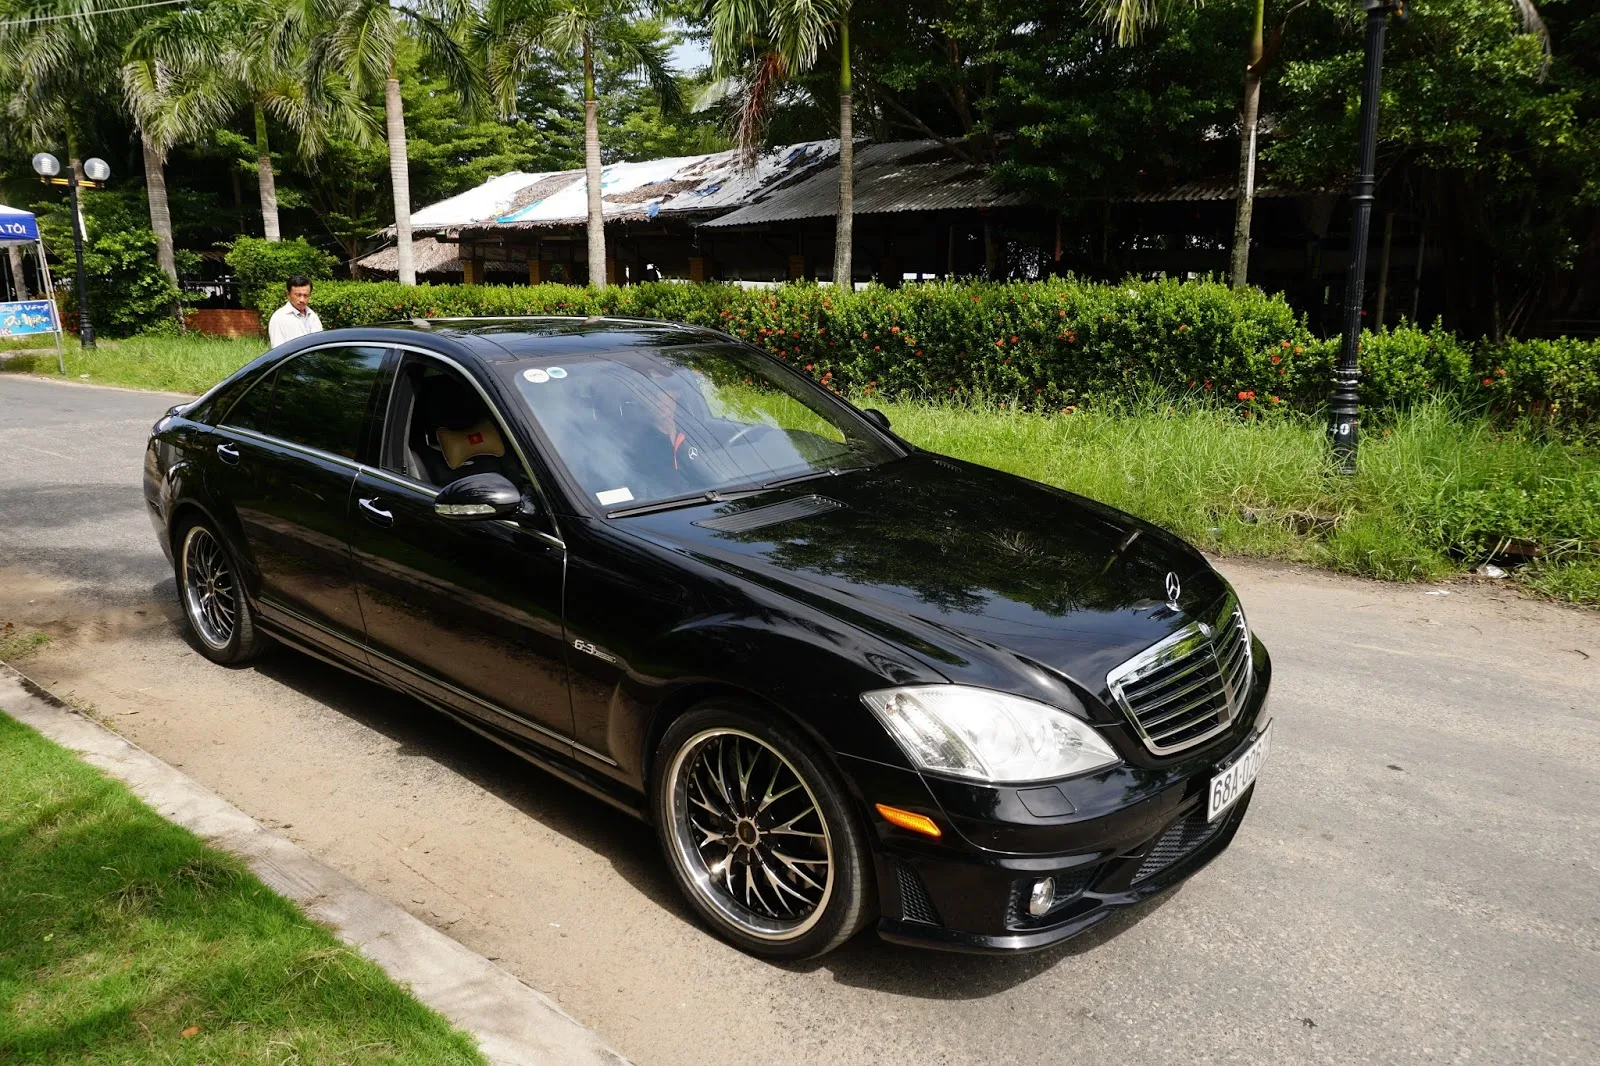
[{"x": 1229, "y": 785}]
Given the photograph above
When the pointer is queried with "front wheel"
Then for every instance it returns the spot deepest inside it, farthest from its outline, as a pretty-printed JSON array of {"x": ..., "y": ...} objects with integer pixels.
[
  {"x": 759, "y": 833},
  {"x": 213, "y": 597}
]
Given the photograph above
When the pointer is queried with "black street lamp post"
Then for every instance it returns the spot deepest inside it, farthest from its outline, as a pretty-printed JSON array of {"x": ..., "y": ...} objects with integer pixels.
[
  {"x": 95, "y": 171},
  {"x": 1345, "y": 402}
]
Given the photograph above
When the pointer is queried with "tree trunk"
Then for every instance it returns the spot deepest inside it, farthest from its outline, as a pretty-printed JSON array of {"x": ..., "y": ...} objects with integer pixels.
[
  {"x": 269, "y": 187},
  {"x": 591, "y": 170},
  {"x": 1240, "y": 266},
  {"x": 844, "y": 231},
  {"x": 18, "y": 278},
  {"x": 155, "y": 186},
  {"x": 399, "y": 178}
]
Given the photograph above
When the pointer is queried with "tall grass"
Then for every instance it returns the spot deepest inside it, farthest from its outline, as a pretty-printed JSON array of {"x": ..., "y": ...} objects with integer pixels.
[
  {"x": 173, "y": 364},
  {"x": 1437, "y": 490}
]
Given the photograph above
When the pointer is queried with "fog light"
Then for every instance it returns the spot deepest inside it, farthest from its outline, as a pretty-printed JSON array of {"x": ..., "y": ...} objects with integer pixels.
[{"x": 1042, "y": 898}]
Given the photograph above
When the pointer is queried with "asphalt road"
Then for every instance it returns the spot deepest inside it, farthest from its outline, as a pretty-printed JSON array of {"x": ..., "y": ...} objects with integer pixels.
[{"x": 1416, "y": 880}]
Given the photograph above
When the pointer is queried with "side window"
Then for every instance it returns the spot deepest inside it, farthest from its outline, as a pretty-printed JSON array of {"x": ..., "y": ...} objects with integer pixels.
[
  {"x": 440, "y": 428},
  {"x": 250, "y": 410},
  {"x": 321, "y": 398}
]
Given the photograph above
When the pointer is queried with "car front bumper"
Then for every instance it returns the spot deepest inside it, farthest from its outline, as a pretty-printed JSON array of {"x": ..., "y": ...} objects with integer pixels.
[{"x": 1129, "y": 834}]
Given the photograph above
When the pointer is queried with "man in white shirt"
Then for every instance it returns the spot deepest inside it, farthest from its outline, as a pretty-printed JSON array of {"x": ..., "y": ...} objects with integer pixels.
[{"x": 295, "y": 318}]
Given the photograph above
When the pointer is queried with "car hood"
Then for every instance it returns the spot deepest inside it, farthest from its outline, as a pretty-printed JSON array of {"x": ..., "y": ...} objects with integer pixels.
[{"x": 989, "y": 578}]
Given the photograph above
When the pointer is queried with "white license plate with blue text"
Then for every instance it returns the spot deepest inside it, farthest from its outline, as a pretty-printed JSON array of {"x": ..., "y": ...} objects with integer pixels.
[{"x": 1229, "y": 785}]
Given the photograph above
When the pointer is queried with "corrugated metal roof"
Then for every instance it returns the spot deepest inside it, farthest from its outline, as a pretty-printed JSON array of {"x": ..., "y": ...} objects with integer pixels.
[{"x": 892, "y": 177}]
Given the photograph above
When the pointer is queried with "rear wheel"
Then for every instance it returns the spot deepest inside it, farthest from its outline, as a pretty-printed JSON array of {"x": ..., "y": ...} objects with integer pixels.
[
  {"x": 213, "y": 598},
  {"x": 759, "y": 833}
]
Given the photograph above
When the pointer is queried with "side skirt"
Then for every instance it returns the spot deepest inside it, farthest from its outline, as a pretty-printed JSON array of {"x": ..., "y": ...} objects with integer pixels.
[{"x": 567, "y": 769}]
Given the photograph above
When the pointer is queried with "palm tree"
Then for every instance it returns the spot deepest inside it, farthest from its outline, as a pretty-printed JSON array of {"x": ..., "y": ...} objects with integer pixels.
[
  {"x": 511, "y": 35},
  {"x": 363, "y": 42},
  {"x": 56, "y": 62},
  {"x": 187, "y": 71},
  {"x": 760, "y": 43}
]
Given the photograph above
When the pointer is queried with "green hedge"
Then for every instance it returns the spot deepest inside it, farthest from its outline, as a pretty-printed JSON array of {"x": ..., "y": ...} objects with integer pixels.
[
  {"x": 263, "y": 267},
  {"x": 1047, "y": 345}
]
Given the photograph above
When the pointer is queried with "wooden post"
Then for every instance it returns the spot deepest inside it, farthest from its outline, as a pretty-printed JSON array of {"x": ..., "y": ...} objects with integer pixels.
[
  {"x": 699, "y": 268},
  {"x": 1383, "y": 268},
  {"x": 536, "y": 270},
  {"x": 797, "y": 267}
]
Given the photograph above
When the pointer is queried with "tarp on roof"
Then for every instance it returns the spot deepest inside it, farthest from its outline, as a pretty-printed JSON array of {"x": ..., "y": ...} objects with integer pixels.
[
  {"x": 686, "y": 186},
  {"x": 891, "y": 177}
]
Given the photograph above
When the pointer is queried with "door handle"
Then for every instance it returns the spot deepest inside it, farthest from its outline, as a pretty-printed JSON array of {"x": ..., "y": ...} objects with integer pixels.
[
  {"x": 228, "y": 454},
  {"x": 375, "y": 514}
]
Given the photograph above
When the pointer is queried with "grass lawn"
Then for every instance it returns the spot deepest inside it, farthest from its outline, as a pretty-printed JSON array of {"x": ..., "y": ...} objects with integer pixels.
[
  {"x": 1438, "y": 489},
  {"x": 125, "y": 940}
]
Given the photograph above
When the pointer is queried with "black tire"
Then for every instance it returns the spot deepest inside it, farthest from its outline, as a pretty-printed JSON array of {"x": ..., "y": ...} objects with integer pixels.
[
  {"x": 212, "y": 595},
  {"x": 760, "y": 885}
]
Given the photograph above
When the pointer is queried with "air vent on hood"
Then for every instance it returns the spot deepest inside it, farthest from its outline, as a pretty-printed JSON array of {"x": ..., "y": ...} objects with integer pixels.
[{"x": 759, "y": 517}]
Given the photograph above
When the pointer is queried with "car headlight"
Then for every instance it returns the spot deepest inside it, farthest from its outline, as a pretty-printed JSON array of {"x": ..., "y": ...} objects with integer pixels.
[{"x": 987, "y": 736}]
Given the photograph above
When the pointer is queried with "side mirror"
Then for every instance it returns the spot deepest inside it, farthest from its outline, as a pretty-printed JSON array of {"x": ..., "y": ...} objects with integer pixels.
[
  {"x": 479, "y": 496},
  {"x": 877, "y": 418}
]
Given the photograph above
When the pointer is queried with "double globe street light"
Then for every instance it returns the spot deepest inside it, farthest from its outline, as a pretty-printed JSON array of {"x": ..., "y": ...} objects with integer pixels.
[{"x": 95, "y": 173}]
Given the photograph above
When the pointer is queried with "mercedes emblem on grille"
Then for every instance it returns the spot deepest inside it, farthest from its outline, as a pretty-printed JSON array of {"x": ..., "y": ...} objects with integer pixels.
[{"x": 1174, "y": 590}]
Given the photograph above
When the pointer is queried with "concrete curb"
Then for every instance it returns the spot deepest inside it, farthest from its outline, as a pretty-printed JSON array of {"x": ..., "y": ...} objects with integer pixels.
[{"x": 513, "y": 1024}]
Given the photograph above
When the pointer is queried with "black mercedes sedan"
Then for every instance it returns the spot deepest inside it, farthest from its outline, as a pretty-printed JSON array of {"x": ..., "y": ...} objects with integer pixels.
[{"x": 849, "y": 681}]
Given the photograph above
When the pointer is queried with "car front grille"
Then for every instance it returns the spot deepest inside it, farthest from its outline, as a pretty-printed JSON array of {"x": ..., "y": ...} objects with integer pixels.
[
  {"x": 1179, "y": 839},
  {"x": 1189, "y": 687}
]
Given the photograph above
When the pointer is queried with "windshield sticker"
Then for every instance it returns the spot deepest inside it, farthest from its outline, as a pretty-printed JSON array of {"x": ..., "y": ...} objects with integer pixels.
[
  {"x": 611, "y": 496},
  {"x": 556, "y": 373},
  {"x": 537, "y": 376}
]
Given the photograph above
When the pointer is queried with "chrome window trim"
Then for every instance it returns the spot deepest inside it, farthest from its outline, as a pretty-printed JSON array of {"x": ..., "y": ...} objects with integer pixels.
[
  {"x": 495, "y": 707},
  {"x": 1185, "y": 642},
  {"x": 305, "y": 449}
]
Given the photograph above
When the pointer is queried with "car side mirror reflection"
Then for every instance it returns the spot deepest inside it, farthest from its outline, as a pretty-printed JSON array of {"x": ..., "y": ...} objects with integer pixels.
[
  {"x": 877, "y": 418},
  {"x": 479, "y": 496}
]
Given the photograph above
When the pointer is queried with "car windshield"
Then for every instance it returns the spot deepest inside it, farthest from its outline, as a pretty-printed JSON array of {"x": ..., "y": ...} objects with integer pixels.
[{"x": 638, "y": 427}]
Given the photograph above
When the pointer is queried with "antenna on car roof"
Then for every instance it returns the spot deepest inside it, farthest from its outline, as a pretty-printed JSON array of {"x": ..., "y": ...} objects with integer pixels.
[
  {"x": 592, "y": 319},
  {"x": 421, "y": 323}
]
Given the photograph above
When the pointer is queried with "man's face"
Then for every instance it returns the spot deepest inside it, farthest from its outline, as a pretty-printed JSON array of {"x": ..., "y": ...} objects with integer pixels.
[{"x": 299, "y": 296}]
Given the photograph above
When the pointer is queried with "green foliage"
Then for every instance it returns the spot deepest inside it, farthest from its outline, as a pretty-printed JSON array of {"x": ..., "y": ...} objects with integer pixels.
[
  {"x": 1439, "y": 490},
  {"x": 263, "y": 266},
  {"x": 1043, "y": 345},
  {"x": 128, "y": 293},
  {"x": 125, "y": 939}
]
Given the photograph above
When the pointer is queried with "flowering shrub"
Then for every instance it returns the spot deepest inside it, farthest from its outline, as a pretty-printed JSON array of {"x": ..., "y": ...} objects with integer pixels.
[{"x": 1046, "y": 345}]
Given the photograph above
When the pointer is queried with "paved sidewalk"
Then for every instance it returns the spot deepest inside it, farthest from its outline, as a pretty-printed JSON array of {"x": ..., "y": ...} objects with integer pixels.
[{"x": 513, "y": 1024}]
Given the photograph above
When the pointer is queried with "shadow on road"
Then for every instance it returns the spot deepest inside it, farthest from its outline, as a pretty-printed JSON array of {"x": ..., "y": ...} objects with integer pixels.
[{"x": 631, "y": 847}]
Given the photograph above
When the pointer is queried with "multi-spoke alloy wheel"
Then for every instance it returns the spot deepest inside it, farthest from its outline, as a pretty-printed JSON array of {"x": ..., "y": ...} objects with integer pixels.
[
  {"x": 761, "y": 834},
  {"x": 750, "y": 834},
  {"x": 213, "y": 600},
  {"x": 210, "y": 594}
]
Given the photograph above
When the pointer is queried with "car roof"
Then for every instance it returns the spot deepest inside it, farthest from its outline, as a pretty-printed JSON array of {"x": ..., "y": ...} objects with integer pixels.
[{"x": 511, "y": 339}]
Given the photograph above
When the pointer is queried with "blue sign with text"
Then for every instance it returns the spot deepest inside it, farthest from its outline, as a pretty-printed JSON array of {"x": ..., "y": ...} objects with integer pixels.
[
  {"x": 18, "y": 226},
  {"x": 23, "y": 317}
]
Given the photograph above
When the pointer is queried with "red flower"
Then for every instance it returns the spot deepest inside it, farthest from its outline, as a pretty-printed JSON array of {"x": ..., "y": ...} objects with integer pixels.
[
  {"x": 863, "y": 334},
  {"x": 1298, "y": 350},
  {"x": 917, "y": 352},
  {"x": 974, "y": 300},
  {"x": 1274, "y": 399},
  {"x": 1182, "y": 326},
  {"x": 1001, "y": 343},
  {"x": 876, "y": 348},
  {"x": 1284, "y": 344},
  {"x": 894, "y": 329},
  {"x": 1499, "y": 372},
  {"x": 1063, "y": 312},
  {"x": 1013, "y": 340},
  {"x": 1277, "y": 359},
  {"x": 1247, "y": 395},
  {"x": 811, "y": 366},
  {"x": 1488, "y": 381}
]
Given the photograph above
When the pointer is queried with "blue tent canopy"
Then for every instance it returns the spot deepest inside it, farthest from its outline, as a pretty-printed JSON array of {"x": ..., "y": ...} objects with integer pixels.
[{"x": 17, "y": 226}]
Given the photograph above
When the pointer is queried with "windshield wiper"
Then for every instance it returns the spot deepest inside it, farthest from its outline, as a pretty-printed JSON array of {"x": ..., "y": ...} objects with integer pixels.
[
  {"x": 688, "y": 499},
  {"x": 832, "y": 471}
]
